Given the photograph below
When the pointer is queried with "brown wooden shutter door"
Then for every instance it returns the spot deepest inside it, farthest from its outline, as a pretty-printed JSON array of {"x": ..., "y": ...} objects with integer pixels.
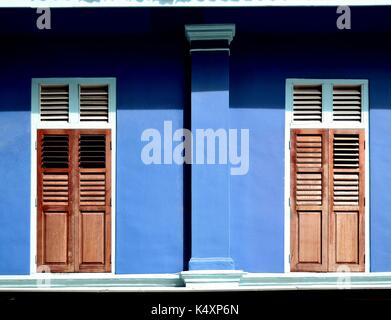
[
  {"x": 93, "y": 201},
  {"x": 54, "y": 202},
  {"x": 347, "y": 191},
  {"x": 308, "y": 200},
  {"x": 74, "y": 200}
]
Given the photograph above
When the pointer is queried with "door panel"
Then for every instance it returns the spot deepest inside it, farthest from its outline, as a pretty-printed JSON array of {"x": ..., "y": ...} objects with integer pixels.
[
  {"x": 309, "y": 191},
  {"x": 54, "y": 205},
  {"x": 347, "y": 192}
]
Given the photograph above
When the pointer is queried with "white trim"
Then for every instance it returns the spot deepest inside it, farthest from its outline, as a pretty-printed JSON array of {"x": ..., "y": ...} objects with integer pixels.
[
  {"x": 287, "y": 180},
  {"x": 209, "y": 49},
  {"x": 33, "y": 172},
  {"x": 328, "y": 124},
  {"x": 190, "y": 3},
  {"x": 87, "y": 275},
  {"x": 365, "y": 103},
  {"x": 212, "y": 280},
  {"x": 197, "y": 32},
  {"x": 73, "y": 124}
]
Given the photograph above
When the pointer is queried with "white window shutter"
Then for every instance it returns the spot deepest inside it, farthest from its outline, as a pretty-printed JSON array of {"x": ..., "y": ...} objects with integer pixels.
[
  {"x": 307, "y": 103},
  {"x": 94, "y": 103},
  {"x": 347, "y": 103},
  {"x": 54, "y": 102}
]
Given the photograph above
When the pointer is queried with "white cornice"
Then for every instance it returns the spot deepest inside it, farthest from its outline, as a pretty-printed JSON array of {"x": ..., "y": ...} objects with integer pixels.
[
  {"x": 186, "y": 3},
  {"x": 202, "y": 32}
]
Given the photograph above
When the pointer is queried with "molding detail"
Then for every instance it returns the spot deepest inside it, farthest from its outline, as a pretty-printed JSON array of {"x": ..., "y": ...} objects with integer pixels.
[
  {"x": 300, "y": 281},
  {"x": 58, "y": 282},
  {"x": 203, "y": 279},
  {"x": 205, "y": 32}
]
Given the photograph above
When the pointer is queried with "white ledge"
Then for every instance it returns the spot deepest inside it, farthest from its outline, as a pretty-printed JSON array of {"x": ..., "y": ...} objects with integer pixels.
[
  {"x": 215, "y": 279},
  {"x": 202, "y": 32},
  {"x": 197, "y": 280}
]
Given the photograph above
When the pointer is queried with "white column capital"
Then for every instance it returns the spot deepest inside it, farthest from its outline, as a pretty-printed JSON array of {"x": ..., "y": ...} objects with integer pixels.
[{"x": 216, "y": 32}]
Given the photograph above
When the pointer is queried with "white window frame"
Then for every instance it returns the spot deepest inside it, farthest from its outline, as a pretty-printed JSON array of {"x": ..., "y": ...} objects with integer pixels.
[
  {"x": 326, "y": 123},
  {"x": 73, "y": 123}
]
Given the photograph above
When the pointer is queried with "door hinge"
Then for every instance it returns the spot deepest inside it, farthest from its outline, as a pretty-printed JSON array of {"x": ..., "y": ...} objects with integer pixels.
[
  {"x": 35, "y": 145},
  {"x": 36, "y": 202},
  {"x": 364, "y": 258},
  {"x": 35, "y": 259},
  {"x": 111, "y": 147},
  {"x": 289, "y": 258},
  {"x": 364, "y": 145},
  {"x": 289, "y": 201},
  {"x": 364, "y": 201},
  {"x": 289, "y": 144},
  {"x": 110, "y": 202}
]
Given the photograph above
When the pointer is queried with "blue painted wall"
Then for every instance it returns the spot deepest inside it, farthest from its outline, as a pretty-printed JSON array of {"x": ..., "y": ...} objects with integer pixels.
[
  {"x": 14, "y": 190},
  {"x": 148, "y": 56},
  {"x": 14, "y": 168}
]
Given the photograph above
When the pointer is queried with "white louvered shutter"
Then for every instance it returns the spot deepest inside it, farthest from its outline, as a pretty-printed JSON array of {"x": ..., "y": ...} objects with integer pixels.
[
  {"x": 307, "y": 103},
  {"x": 54, "y": 102},
  {"x": 347, "y": 103},
  {"x": 94, "y": 103}
]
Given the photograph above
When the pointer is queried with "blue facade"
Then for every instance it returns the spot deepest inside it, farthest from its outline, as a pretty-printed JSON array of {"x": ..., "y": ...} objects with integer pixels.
[{"x": 149, "y": 57}]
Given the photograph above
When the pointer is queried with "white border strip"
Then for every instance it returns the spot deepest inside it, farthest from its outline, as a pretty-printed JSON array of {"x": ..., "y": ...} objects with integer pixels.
[{"x": 190, "y": 3}]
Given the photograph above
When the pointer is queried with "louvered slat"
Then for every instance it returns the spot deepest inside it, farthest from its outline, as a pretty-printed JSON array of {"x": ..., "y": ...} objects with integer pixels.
[
  {"x": 94, "y": 103},
  {"x": 347, "y": 103},
  {"x": 55, "y": 189},
  {"x": 55, "y": 151},
  {"x": 308, "y": 170},
  {"x": 54, "y": 102},
  {"x": 346, "y": 149},
  {"x": 92, "y": 189},
  {"x": 307, "y": 103},
  {"x": 92, "y": 151}
]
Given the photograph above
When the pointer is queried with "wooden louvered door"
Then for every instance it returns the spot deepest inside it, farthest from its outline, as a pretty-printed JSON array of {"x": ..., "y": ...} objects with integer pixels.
[
  {"x": 347, "y": 194},
  {"x": 327, "y": 200},
  {"x": 55, "y": 227},
  {"x": 93, "y": 197},
  {"x": 309, "y": 210},
  {"x": 74, "y": 200}
]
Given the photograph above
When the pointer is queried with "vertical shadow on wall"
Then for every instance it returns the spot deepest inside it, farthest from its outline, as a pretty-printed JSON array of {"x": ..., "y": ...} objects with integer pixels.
[{"x": 187, "y": 167}]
